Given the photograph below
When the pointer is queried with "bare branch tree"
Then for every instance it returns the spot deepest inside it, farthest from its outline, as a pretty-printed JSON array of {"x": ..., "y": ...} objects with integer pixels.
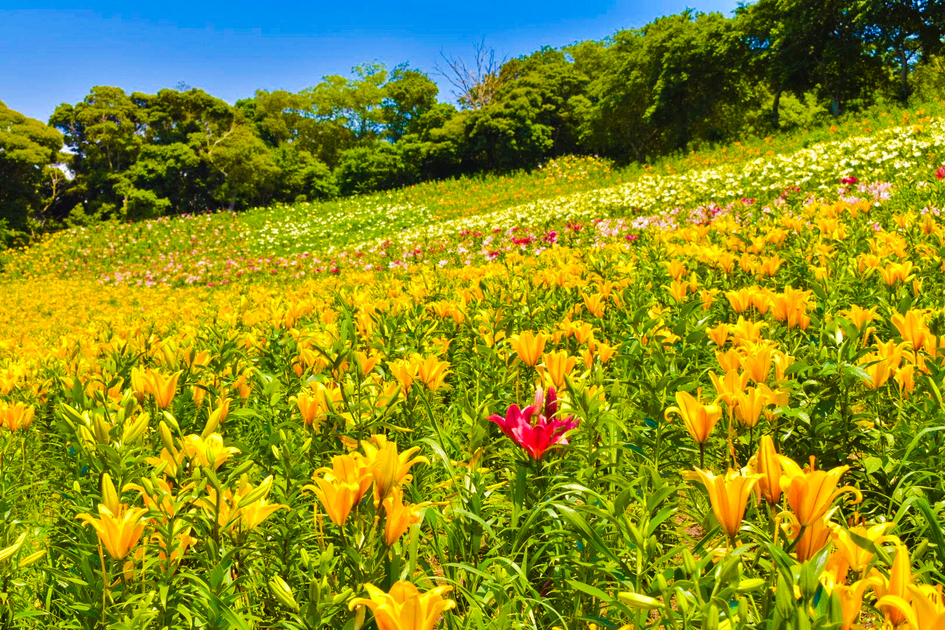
[{"x": 476, "y": 84}]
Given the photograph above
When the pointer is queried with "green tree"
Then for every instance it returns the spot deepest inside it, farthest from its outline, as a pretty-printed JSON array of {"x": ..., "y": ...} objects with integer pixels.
[
  {"x": 245, "y": 163},
  {"x": 408, "y": 95},
  {"x": 368, "y": 169},
  {"x": 104, "y": 133},
  {"x": 805, "y": 45},
  {"x": 903, "y": 33},
  {"x": 661, "y": 88},
  {"x": 29, "y": 151},
  {"x": 355, "y": 103}
]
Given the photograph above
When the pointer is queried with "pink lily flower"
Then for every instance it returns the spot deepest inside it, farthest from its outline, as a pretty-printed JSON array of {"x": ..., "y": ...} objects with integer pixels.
[{"x": 537, "y": 435}]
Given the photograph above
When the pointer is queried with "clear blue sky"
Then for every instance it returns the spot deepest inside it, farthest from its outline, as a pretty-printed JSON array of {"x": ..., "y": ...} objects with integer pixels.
[{"x": 230, "y": 50}]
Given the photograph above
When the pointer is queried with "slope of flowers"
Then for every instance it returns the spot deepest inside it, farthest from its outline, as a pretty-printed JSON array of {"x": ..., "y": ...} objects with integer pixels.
[
  {"x": 298, "y": 241},
  {"x": 711, "y": 416}
]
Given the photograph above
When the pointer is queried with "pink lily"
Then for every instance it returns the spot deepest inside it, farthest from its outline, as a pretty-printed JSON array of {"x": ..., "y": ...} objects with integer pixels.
[{"x": 538, "y": 435}]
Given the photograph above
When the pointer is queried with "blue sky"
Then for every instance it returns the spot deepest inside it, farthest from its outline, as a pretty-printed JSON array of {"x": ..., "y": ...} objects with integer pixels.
[{"x": 230, "y": 49}]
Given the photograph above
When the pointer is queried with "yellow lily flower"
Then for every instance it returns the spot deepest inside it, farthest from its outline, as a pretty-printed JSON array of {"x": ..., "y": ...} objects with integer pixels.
[
  {"x": 431, "y": 372},
  {"x": 209, "y": 451},
  {"x": 894, "y": 591},
  {"x": 813, "y": 537},
  {"x": 729, "y": 387},
  {"x": 405, "y": 371},
  {"x": 17, "y": 417},
  {"x": 811, "y": 493},
  {"x": 351, "y": 468},
  {"x": 758, "y": 364},
  {"x": 729, "y": 361},
  {"x": 118, "y": 531},
  {"x": 387, "y": 466},
  {"x": 699, "y": 419},
  {"x": 337, "y": 497},
  {"x": 556, "y": 365},
  {"x": 767, "y": 464},
  {"x": 739, "y": 300},
  {"x": 405, "y": 608},
  {"x": 595, "y": 304},
  {"x": 728, "y": 495},
  {"x": 912, "y": 328},
  {"x": 529, "y": 346},
  {"x": 163, "y": 387},
  {"x": 399, "y": 517},
  {"x": 923, "y": 609},
  {"x": 750, "y": 403},
  {"x": 719, "y": 334},
  {"x": 850, "y": 556}
]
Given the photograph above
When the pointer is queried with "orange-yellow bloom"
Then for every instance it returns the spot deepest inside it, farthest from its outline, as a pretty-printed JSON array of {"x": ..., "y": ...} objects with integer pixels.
[
  {"x": 387, "y": 466},
  {"x": 405, "y": 607},
  {"x": 894, "y": 591},
  {"x": 699, "y": 419},
  {"x": 767, "y": 464},
  {"x": 728, "y": 495},
  {"x": 399, "y": 517},
  {"x": 17, "y": 417},
  {"x": 811, "y": 493},
  {"x": 922, "y": 609},
  {"x": 912, "y": 328},
  {"x": 120, "y": 531},
  {"x": 529, "y": 346},
  {"x": 556, "y": 365},
  {"x": 852, "y": 557},
  {"x": 209, "y": 451},
  {"x": 163, "y": 387},
  {"x": 432, "y": 372},
  {"x": 729, "y": 387}
]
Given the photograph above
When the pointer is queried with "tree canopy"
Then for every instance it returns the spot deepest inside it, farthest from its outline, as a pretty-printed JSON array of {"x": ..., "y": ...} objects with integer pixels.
[{"x": 677, "y": 83}]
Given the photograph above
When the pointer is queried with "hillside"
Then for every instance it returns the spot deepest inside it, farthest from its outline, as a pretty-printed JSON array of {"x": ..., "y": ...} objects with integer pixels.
[{"x": 703, "y": 394}]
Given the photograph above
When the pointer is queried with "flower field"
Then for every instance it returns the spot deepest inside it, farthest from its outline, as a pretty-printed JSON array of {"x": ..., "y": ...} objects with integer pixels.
[{"x": 705, "y": 399}]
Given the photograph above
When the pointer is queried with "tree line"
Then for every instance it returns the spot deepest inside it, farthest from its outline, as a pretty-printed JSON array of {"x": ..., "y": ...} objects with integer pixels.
[{"x": 678, "y": 83}]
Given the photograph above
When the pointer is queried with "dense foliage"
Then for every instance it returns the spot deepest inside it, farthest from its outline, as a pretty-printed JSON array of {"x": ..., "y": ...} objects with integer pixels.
[{"x": 682, "y": 82}]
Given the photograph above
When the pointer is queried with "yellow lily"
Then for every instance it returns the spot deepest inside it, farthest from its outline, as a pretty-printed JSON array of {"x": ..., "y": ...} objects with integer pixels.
[
  {"x": 405, "y": 608},
  {"x": 209, "y": 451},
  {"x": 163, "y": 387},
  {"x": 729, "y": 387},
  {"x": 895, "y": 591},
  {"x": 351, "y": 468},
  {"x": 556, "y": 365},
  {"x": 529, "y": 346},
  {"x": 17, "y": 417},
  {"x": 811, "y": 493},
  {"x": 719, "y": 334},
  {"x": 595, "y": 304},
  {"x": 851, "y": 598},
  {"x": 923, "y": 609},
  {"x": 750, "y": 403},
  {"x": 728, "y": 495},
  {"x": 399, "y": 516},
  {"x": 118, "y": 531},
  {"x": 337, "y": 497},
  {"x": 729, "y": 361},
  {"x": 432, "y": 372},
  {"x": 387, "y": 466},
  {"x": 767, "y": 464},
  {"x": 812, "y": 538},
  {"x": 758, "y": 364},
  {"x": 405, "y": 371},
  {"x": 852, "y": 557},
  {"x": 912, "y": 328},
  {"x": 699, "y": 419}
]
